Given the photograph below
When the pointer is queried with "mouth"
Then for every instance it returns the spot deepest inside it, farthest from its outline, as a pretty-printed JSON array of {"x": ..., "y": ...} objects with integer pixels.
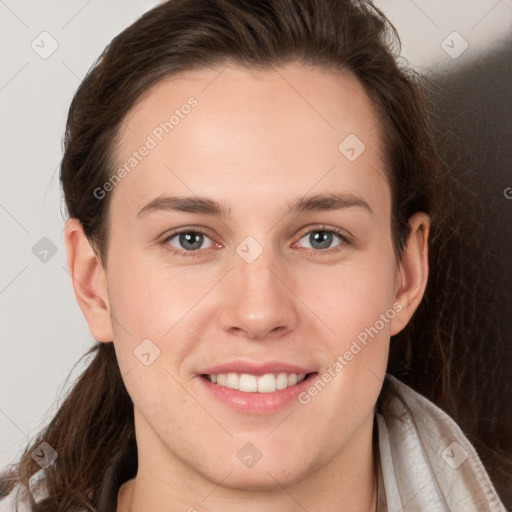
[{"x": 249, "y": 383}]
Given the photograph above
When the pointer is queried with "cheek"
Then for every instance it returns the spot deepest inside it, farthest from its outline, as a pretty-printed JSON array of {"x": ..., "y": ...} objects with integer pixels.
[
  {"x": 150, "y": 297},
  {"x": 350, "y": 297},
  {"x": 153, "y": 311},
  {"x": 355, "y": 303}
]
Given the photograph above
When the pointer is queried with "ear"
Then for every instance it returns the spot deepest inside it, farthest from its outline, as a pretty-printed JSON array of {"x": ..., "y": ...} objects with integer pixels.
[
  {"x": 89, "y": 281},
  {"x": 412, "y": 272}
]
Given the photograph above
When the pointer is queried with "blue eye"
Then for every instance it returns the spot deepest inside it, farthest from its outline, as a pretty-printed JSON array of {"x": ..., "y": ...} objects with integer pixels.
[
  {"x": 321, "y": 239},
  {"x": 190, "y": 242}
]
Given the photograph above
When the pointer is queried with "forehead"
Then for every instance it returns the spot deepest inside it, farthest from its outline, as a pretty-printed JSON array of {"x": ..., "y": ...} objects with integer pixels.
[{"x": 269, "y": 135}]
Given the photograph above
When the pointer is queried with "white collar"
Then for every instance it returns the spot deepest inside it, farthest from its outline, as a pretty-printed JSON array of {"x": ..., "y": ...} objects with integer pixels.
[{"x": 426, "y": 462}]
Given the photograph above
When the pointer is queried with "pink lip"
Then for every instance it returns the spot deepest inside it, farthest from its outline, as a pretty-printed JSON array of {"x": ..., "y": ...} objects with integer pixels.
[
  {"x": 256, "y": 403},
  {"x": 255, "y": 368}
]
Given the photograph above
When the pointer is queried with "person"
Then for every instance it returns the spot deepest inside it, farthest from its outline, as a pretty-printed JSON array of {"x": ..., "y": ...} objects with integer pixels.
[{"x": 251, "y": 190}]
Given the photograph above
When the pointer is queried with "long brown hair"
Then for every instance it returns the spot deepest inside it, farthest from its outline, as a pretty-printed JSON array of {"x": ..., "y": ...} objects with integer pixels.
[{"x": 93, "y": 430}]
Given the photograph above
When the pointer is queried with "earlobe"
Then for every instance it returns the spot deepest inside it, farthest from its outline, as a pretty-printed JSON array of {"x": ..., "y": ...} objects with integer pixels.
[
  {"x": 89, "y": 281},
  {"x": 413, "y": 271}
]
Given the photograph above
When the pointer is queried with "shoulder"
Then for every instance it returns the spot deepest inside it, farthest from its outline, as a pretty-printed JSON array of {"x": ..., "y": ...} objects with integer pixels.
[
  {"x": 15, "y": 501},
  {"x": 426, "y": 461},
  {"x": 14, "y": 496}
]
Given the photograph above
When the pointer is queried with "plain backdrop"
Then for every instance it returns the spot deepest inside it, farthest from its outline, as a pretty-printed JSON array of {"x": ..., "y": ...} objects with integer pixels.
[{"x": 43, "y": 333}]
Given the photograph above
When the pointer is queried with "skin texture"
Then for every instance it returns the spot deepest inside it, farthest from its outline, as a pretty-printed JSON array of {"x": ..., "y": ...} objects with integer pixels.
[{"x": 255, "y": 141}]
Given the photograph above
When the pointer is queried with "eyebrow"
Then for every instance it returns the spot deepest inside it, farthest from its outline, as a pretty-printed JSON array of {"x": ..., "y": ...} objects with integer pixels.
[{"x": 317, "y": 202}]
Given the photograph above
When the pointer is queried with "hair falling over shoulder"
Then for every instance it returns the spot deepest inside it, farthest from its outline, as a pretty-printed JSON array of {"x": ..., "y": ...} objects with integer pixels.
[{"x": 94, "y": 436}]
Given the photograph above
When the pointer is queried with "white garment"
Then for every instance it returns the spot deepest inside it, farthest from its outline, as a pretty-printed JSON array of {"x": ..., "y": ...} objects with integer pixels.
[{"x": 426, "y": 462}]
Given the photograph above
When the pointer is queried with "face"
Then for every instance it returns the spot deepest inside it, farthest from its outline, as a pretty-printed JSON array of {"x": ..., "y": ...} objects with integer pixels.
[{"x": 252, "y": 236}]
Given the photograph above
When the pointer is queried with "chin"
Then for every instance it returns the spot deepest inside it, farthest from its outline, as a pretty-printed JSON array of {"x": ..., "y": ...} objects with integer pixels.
[
  {"x": 262, "y": 480},
  {"x": 268, "y": 474}
]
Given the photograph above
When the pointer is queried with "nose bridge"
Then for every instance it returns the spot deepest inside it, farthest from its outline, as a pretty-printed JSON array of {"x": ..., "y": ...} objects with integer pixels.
[
  {"x": 256, "y": 271},
  {"x": 259, "y": 302},
  {"x": 258, "y": 277}
]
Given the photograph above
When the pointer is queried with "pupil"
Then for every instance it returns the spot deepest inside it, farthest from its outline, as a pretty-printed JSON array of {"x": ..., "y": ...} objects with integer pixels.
[
  {"x": 321, "y": 237},
  {"x": 195, "y": 239}
]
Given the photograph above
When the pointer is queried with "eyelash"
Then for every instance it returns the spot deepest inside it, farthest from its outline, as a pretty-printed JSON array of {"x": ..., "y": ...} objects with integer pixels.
[{"x": 194, "y": 253}]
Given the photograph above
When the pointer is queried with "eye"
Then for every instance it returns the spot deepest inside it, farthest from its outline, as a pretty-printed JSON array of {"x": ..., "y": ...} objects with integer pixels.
[
  {"x": 190, "y": 242},
  {"x": 321, "y": 238},
  {"x": 187, "y": 242}
]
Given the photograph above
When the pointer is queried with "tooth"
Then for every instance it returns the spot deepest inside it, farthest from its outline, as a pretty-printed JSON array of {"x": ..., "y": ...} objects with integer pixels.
[
  {"x": 248, "y": 383},
  {"x": 266, "y": 383},
  {"x": 232, "y": 380},
  {"x": 282, "y": 381}
]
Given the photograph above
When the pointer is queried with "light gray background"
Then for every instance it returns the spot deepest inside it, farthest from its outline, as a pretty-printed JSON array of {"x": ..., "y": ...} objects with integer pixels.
[{"x": 42, "y": 330}]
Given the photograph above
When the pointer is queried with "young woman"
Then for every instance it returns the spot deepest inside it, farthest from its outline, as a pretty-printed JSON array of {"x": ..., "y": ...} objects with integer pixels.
[{"x": 250, "y": 188}]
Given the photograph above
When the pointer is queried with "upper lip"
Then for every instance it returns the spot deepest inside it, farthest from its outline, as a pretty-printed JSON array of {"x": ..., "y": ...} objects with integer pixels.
[{"x": 255, "y": 368}]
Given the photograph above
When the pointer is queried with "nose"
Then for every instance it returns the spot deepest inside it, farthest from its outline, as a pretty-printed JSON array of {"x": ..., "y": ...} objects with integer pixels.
[{"x": 260, "y": 303}]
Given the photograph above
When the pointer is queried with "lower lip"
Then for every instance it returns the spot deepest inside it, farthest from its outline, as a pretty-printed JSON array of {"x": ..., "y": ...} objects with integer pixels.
[{"x": 257, "y": 403}]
